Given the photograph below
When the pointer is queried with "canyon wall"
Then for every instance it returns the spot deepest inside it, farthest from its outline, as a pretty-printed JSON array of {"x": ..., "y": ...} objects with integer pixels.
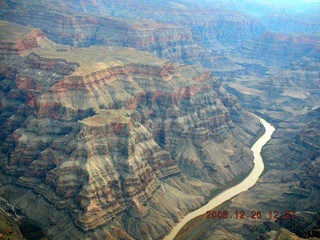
[
  {"x": 180, "y": 32},
  {"x": 99, "y": 139},
  {"x": 102, "y": 135}
]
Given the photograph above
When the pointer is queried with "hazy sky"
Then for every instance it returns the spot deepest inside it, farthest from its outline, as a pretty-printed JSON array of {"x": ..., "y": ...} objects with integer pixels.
[{"x": 262, "y": 7}]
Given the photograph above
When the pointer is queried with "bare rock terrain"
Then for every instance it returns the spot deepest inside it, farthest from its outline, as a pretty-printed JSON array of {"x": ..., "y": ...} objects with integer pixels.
[
  {"x": 110, "y": 139},
  {"x": 108, "y": 132}
]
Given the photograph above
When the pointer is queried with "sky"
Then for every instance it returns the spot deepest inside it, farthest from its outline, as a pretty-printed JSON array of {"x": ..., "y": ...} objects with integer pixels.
[{"x": 263, "y": 7}]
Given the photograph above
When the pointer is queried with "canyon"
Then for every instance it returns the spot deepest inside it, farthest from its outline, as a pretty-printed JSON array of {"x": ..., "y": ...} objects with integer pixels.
[
  {"x": 100, "y": 134},
  {"x": 233, "y": 191},
  {"x": 119, "y": 118}
]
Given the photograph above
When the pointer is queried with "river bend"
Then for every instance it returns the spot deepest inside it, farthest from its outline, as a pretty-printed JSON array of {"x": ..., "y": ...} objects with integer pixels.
[{"x": 247, "y": 183}]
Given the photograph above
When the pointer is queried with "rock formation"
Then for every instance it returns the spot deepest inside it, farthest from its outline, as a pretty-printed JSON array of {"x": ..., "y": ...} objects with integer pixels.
[
  {"x": 285, "y": 91},
  {"x": 101, "y": 140},
  {"x": 288, "y": 184},
  {"x": 179, "y": 32},
  {"x": 274, "y": 83},
  {"x": 8, "y": 227},
  {"x": 275, "y": 48},
  {"x": 103, "y": 133},
  {"x": 17, "y": 39}
]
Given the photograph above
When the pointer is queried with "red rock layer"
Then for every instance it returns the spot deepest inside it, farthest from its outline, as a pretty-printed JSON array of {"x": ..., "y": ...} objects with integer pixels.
[
  {"x": 82, "y": 150},
  {"x": 96, "y": 131},
  {"x": 278, "y": 48},
  {"x": 17, "y": 39}
]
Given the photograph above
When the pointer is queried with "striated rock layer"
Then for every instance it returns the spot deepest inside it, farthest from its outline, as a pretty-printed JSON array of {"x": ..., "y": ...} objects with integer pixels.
[
  {"x": 17, "y": 39},
  {"x": 275, "y": 48},
  {"x": 186, "y": 32},
  {"x": 290, "y": 182},
  {"x": 162, "y": 39},
  {"x": 107, "y": 135},
  {"x": 85, "y": 21},
  {"x": 279, "y": 87}
]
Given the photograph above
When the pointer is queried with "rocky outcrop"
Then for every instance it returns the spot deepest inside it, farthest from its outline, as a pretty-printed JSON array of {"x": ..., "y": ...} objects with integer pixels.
[
  {"x": 301, "y": 79},
  {"x": 288, "y": 184},
  {"x": 272, "y": 84},
  {"x": 17, "y": 39},
  {"x": 9, "y": 228},
  {"x": 108, "y": 142},
  {"x": 162, "y": 39},
  {"x": 103, "y": 133},
  {"x": 275, "y": 48},
  {"x": 309, "y": 137},
  {"x": 207, "y": 23},
  {"x": 180, "y": 32},
  {"x": 112, "y": 160}
]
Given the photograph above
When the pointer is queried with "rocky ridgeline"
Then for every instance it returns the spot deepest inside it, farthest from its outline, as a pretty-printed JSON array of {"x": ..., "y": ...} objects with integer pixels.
[
  {"x": 103, "y": 133},
  {"x": 279, "y": 48},
  {"x": 273, "y": 83},
  {"x": 309, "y": 137},
  {"x": 16, "y": 39},
  {"x": 290, "y": 183},
  {"x": 299, "y": 82},
  {"x": 206, "y": 23},
  {"x": 24, "y": 45},
  {"x": 162, "y": 39},
  {"x": 303, "y": 73},
  {"x": 179, "y": 32},
  {"x": 112, "y": 160},
  {"x": 21, "y": 40},
  {"x": 300, "y": 174}
]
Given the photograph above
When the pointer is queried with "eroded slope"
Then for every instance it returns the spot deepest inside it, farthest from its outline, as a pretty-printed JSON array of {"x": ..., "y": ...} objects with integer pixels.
[{"x": 108, "y": 135}]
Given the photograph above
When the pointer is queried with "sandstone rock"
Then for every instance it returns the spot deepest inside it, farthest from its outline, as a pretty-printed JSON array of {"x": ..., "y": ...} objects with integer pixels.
[
  {"x": 184, "y": 32},
  {"x": 102, "y": 133},
  {"x": 22, "y": 40},
  {"x": 280, "y": 47}
]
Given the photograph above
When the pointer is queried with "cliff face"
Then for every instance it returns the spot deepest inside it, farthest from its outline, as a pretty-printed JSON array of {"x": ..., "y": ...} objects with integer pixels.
[
  {"x": 103, "y": 133},
  {"x": 284, "y": 86},
  {"x": 210, "y": 26},
  {"x": 309, "y": 137},
  {"x": 303, "y": 73},
  {"x": 290, "y": 183},
  {"x": 183, "y": 32},
  {"x": 109, "y": 142},
  {"x": 21, "y": 40},
  {"x": 162, "y": 39},
  {"x": 15, "y": 38},
  {"x": 275, "y": 48},
  {"x": 9, "y": 228},
  {"x": 112, "y": 162}
]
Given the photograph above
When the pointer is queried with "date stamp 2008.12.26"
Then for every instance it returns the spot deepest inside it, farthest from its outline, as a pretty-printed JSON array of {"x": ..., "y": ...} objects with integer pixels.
[{"x": 270, "y": 215}]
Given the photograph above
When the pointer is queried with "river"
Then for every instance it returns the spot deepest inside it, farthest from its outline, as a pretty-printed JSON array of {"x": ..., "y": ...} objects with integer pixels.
[{"x": 247, "y": 183}]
